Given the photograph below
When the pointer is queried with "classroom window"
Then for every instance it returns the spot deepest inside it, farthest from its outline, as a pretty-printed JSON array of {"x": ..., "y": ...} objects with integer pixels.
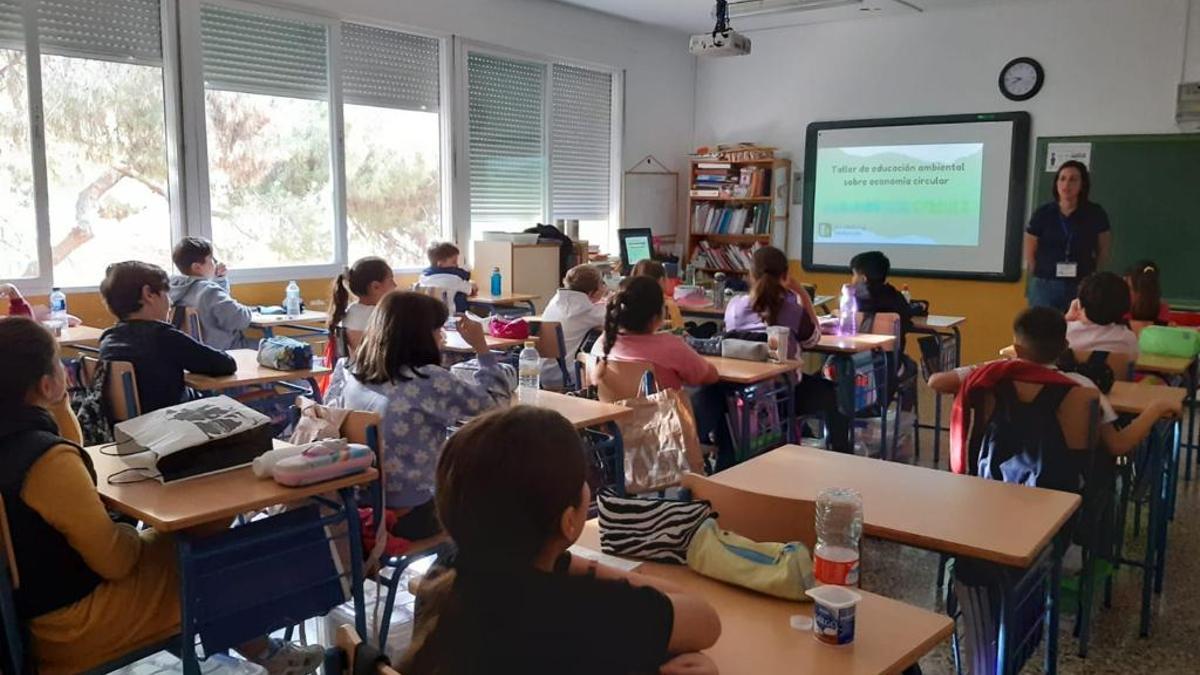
[
  {"x": 540, "y": 139},
  {"x": 267, "y": 107},
  {"x": 18, "y": 221},
  {"x": 581, "y": 132},
  {"x": 505, "y": 102},
  {"x": 391, "y": 94}
]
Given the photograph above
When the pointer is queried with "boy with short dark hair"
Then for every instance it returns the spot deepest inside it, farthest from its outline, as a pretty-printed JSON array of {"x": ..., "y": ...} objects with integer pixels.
[
  {"x": 869, "y": 272},
  {"x": 1039, "y": 338},
  {"x": 202, "y": 285},
  {"x": 1096, "y": 320},
  {"x": 444, "y": 272},
  {"x": 136, "y": 294}
]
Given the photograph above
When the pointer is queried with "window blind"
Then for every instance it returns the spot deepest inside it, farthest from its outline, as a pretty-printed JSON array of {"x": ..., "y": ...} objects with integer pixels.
[
  {"x": 111, "y": 30},
  {"x": 580, "y": 143},
  {"x": 389, "y": 69},
  {"x": 260, "y": 54},
  {"x": 12, "y": 33},
  {"x": 505, "y": 99}
]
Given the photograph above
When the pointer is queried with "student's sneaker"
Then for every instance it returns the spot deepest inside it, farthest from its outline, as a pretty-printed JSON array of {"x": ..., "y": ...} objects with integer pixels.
[{"x": 289, "y": 658}]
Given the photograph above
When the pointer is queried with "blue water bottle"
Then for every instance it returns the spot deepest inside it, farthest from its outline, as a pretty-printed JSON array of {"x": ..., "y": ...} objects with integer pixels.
[{"x": 497, "y": 282}]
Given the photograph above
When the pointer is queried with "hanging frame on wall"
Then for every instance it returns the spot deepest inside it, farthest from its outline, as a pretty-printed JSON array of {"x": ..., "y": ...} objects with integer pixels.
[{"x": 650, "y": 198}]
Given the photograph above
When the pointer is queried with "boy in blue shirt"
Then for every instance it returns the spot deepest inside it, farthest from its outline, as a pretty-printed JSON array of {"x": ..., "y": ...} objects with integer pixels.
[
  {"x": 444, "y": 272},
  {"x": 202, "y": 285}
]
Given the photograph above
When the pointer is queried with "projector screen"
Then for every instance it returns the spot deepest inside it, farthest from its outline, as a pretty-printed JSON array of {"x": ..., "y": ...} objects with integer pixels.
[{"x": 941, "y": 196}]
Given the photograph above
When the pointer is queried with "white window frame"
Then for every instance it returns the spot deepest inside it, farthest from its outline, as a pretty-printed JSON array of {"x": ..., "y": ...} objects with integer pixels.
[
  {"x": 462, "y": 135},
  {"x": 195, "y": 119},
  {"x": 446, "y": 98}
]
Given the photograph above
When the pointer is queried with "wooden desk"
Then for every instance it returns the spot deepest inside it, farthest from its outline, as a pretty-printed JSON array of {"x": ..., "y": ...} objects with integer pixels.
[
  {"x": 1165, "y": 365},
  {"x": 1133, "y": 398},
  {"x": 507, "y": 300},
  {"x": 275, "y": 320},
  {"x": 80, "y": 336},
  {"x": 925, "y": 508},
  {"x": 207, "y": 499},
  {"x": 249, "y": 372},
  {"x": 739, "y": 371},
  {"x": 456, "y": 343},
  {"x": 853, "y": 344},
  {"x": 757, "y": 638},
  {"x": 939, "y": 322},
  {"x": 581, "y": 412}
]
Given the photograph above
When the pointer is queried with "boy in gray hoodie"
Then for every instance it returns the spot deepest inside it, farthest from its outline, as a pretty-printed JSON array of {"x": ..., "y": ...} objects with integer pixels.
[{"x": 203, "y": 286}]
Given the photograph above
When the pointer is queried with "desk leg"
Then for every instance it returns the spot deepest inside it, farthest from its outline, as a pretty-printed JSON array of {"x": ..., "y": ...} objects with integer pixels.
[
  {"x": 1052, "y": 613},
  {"x": 883, "y": 411},
  {"x": 1190, "y": 441},
  {"x": 1167, "y": 491},
  {"x": 793, "y": 433},
  {"x": 187, "y": 639},
  {"x": 614, "y": 430},
  {"x": 268, "y": 331},
  {"x": 354, "y": 532}
]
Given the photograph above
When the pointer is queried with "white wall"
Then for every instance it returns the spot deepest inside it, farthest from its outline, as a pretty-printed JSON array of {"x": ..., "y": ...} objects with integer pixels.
[
  {"x": 659, "y": 72},
  {"x": 1112, "y": 66}
]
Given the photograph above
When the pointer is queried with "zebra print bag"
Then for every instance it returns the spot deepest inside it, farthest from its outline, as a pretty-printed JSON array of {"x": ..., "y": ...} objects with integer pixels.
[{"x": 649, "y": 529}]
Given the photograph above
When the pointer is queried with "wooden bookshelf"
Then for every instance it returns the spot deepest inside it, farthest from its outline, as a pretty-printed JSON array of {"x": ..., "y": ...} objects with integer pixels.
[{"x": 743, "y": 214}]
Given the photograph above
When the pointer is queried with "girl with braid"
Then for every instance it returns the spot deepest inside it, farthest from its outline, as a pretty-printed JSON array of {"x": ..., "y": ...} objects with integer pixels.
[{"x": 631, "y": 333}]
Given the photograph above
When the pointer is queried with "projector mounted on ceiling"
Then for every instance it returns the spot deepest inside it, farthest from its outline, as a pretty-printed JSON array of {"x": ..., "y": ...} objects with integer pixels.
[{"x": 723, "y": 40}]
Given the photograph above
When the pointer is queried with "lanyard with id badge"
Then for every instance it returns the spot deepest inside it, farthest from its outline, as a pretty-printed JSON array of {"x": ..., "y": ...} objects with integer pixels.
[{"x": 1066, "y": 269}]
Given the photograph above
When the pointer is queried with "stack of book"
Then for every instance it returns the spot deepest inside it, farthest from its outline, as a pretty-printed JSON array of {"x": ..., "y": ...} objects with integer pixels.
[
  {"x": 730, "y": 258},
  {"x": 714, "y": 179},
  {"x": 710, "y": 219}
]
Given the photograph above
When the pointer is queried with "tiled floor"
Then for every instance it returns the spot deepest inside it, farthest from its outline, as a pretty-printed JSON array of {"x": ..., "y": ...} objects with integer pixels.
[{"x": 1172, "y": 647}]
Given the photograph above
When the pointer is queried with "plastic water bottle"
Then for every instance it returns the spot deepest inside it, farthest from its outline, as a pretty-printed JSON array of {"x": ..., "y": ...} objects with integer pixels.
[
  {"x": 497, "y": 282},
  {"x": 529, "y": 373},
  {"x": 58, "y": 305},
  {"x": 719, "y": 290},
  {"x": 848, "y": 311},
  {"x": 839, "y": 527},
  {"x": 905, "y": 292},
  {"x": 291, "y": 299}
]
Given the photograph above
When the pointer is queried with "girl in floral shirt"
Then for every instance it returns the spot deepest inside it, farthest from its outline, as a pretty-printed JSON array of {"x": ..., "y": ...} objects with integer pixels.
[{"x": 397, "y": 373}]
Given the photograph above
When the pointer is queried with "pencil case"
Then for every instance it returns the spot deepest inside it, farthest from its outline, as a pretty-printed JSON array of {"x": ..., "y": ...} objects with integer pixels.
[
  {"x": 320, "y": 464},
  {"x": 1167, "y": 341},
  {"x": 285, "y": 353}
]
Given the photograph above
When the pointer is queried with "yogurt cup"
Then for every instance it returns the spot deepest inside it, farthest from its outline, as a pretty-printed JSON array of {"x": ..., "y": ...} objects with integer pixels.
[{"x": 833, "y": 613}]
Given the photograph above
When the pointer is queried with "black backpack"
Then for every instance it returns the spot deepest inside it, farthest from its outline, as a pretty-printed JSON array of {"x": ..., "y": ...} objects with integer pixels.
[
  {"x": 1023, "y": 442},
  {"x": 1096, "y": 368},
  {"x": 566, "y": 248}
]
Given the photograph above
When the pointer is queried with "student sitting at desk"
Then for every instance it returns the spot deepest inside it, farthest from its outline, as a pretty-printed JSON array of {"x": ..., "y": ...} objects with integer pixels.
[
  {"x": 1095, "y": 321},
  {"x": 202, "y": 285},
  {"x": 136, "y": 294},
  {"x": 512, "y": 492},
  {"x": 632, "y": 333},
  {"x": 91, "y": 590},
  {"x": 397, "y": 373},
  {"x": 1040, "y": 337},
  {"x": 369, "y": 279},
  {"x": 444, "y": 272},
  {"x": 1145, "y": 294},
  {"x": 776, "y": 300},
  {"x": 672, "y": 318},
  {"x": 579, "y": 308}
]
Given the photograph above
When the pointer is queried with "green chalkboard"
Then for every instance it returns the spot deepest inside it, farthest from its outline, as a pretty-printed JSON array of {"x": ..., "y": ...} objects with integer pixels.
[{"x": 1150, "y": 187}]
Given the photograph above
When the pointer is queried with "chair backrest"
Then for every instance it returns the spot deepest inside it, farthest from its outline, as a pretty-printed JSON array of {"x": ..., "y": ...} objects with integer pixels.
[
  {"x": 1121, "y": 364},
  {"x": 120, "y": 389},
  {"x": 757, "y": 516},
  {"x": 445, "y": 296},
  {"x": 341, "y": 342},
  {"x": 883, "y": 323},
  {"x": 551, "y": 344},
  {"x": 13, "y": 648},
  {"x": 187, "y": 319},
  {"x": 618, "y": 380},
  {"x": 363, "y": 427}
]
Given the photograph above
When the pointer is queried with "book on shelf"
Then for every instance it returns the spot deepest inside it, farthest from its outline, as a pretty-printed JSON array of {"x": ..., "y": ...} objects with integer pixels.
[
  {"x": 714, "y": 165},
  {"x": 705, "y": 193},
  {"x": 713, "y": 219},
  {"x": 729, "y": 257}
]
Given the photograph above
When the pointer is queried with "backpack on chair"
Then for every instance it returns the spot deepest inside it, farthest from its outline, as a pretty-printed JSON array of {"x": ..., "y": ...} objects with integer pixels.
[
  {"x": 1023, "y": 442},
  {"x": 90, "y": 404}
]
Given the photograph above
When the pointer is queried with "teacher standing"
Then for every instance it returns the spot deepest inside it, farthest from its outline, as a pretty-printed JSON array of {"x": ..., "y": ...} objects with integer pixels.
[{"x": 1066, "y": 240}]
